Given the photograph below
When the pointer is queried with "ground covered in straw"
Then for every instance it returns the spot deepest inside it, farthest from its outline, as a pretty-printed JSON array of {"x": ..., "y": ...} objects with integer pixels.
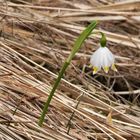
[{"x": 36, "y": 38}]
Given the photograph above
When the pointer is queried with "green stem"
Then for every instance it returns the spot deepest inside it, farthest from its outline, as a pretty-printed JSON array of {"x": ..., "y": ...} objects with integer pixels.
[
  {"x": 103, "y": 38},
  {"x": 45, "y": 109},
  {"x": 75, "y": 49}
]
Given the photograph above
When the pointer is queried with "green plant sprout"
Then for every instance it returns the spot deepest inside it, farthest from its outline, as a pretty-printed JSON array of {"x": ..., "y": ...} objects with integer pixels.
[{"x": 78, "y": 43}]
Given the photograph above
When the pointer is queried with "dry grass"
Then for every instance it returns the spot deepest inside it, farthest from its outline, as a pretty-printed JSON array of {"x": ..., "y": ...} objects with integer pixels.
[{"x": 36, "y": 37}]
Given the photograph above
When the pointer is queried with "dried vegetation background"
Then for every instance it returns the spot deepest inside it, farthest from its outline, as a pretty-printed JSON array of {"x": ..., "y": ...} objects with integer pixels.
[{"x": 35, "y": 38}]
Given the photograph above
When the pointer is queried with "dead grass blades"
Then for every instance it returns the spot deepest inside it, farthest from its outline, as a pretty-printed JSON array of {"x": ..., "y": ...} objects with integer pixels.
[{"x": 35, "y": 38}]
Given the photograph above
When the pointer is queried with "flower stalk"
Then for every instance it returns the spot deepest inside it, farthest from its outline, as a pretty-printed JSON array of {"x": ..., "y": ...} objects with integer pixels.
[
  {"x": 103, "y": 40},
  {"x": 78, "y": 43}
]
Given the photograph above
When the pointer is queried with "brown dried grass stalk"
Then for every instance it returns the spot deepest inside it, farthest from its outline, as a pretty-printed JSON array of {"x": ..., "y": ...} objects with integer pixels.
[{"x": 36, "y": 37}]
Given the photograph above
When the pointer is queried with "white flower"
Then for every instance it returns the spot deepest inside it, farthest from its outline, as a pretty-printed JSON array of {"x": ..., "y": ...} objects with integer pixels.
[{"x": 102, "y": 58}]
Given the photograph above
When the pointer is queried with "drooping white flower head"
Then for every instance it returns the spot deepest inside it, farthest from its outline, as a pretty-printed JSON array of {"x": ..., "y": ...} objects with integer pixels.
[{"x": 102, "y": 58}]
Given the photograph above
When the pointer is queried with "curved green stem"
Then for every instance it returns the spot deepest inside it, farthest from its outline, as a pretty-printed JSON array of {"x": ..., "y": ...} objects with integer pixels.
[
  {"x": 75, "y": 49},
  {"x": 103, "y": 38}
]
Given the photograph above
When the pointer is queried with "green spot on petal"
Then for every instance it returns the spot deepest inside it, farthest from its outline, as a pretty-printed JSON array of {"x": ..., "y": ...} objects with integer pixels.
[
  {"x": 106, "y": 69},
  {"x": 113, "y": 67},
  {"x": 95, "y": 69}
]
